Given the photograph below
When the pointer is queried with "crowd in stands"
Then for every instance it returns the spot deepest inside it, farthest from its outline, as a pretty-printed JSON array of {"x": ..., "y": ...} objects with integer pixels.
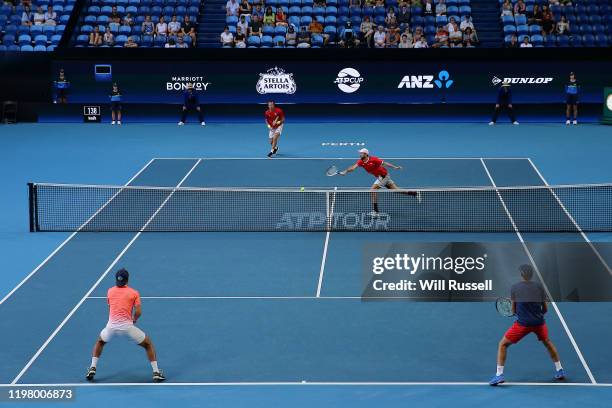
[
  {"x": 349, "y": 23},
  {"x": 33, "y": 26},
  {"x": 529, "y": 23},
  {"x": 140, "y": 23}
]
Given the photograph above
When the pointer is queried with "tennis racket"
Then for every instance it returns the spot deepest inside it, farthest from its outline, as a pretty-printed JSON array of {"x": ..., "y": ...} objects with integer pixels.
[
  {"x": 333, "y": 171},
  {"x": 504, "y": 307}
]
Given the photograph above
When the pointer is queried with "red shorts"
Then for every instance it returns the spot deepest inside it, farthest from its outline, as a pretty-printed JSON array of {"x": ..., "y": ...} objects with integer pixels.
[{"x": 517, "y": 331}]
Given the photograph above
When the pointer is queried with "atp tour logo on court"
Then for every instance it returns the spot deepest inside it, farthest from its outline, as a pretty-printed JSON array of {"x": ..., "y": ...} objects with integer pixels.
[
  {"x": 349, "y": 80},
  {"x": 441, "y": 81},
  {"x": 276, "y": 80},
  {"x": 521, "y": 80},
  {"x": 180, "y": 83}
]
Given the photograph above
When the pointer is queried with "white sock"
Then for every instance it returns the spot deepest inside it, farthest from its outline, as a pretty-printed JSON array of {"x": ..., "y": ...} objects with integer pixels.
[
  {"x": 94, "y": 361},
  {"x": 154, "y": 366},
  {"x": 500, "y": 370},
  {"x": 558, "y": 365}
]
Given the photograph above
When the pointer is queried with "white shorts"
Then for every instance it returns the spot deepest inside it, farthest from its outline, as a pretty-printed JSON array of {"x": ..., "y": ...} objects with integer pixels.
[
  {"x": 128, "y": 330},
  {"x": 278, "y": 130},
  {"x": 383, "y": 181}
]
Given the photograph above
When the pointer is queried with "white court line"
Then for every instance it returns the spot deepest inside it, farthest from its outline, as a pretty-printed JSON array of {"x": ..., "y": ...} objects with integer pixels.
[
  {"x": 535, "y": 266},
  {"x": 52, "y": 254},
  {"x": 584, "y": 236},
  {"x": 338, "y": 158},
  {"x": 95, "y": 285},
  {"x": 314, "y": 383},
  {"x": 330, "y": 215},
  {"x": 492, "y": 298}
]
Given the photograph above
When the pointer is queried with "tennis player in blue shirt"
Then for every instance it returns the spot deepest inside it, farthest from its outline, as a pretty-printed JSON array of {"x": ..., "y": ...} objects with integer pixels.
[
  {"x": 571, "y": 99},
  {"x": 529, "y": 305},
  {"x": 191, "y": 102},
  {"x": 115, "y": 98}
]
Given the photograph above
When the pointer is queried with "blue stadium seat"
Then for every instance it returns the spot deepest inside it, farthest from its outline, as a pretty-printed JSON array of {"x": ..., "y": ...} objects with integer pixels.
[
  {"x": 318, "y": 11},
  {"x": 332, "y": 10},
  {"x": 317, "y": 40},
  {"x": 147, "y": 40},
  {"x": 82, "y": 39},
  {"x": 27, "y": 48},
  {"x": 589, "y": 40},
  {"x": 40, "y": 48},
  {"x": 355, "y": 11},
  {"x": 601, "y": 40},
  {"x": 268, "y": 30},
  {"x": 266, "y": 41},
  {"x": 280, "y": 30},
  {"x": 330, "y": 20},
  {"x": 575, "y": 41},
  {"x": 24, "y": 39},
  {"x": 356, "y": 21},
  {"x": 465, "y": 10},
  {"x": 368, "y": 11},
  {"x": 507, "y": 20},
  {"x": 8, "y": 39},
  {"x": 520, "y": 19},
  {"x": 537, "y": 40},
  {"x": 36, "y": 30},
  {"x": 332, "y": 3},
  {"x": 586, "y": 29},
  {"x": 40, "y": 40},
  {"x": 379, "y": 20},
  {"x": 308, "y": 3},
  {"x": 55, "y": 39},
  {"x": 380, "y": 11},
  {"x": 509, "y": 29},
  {"x": 253, "y": 41},
  {"x": 441, "y": 20},
  {"x": 562, "y": 41},
  {"x": 535, "y": 29},
  {"x": 522, "y": 29},
  {"x": 125, "y": 30},
  {"x": 331, "y": 31},
  {"x": 305, "y": 20},
  {"x": 295, "y": 11},
  {"x": 48, "y": 30},
  {"x": 50, "y": 48},
  {"x": 231, "y": 20},
  {"x": 14, "y": 47}
]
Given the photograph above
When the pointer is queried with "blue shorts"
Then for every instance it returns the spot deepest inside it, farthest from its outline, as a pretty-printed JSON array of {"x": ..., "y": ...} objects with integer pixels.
[
  {"x": 571, "y": 99},
  {"x": 116, "y": 106}
]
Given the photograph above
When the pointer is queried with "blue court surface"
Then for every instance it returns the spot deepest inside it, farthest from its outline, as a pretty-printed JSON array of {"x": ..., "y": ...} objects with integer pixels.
[{"x": 264, "y": 319}]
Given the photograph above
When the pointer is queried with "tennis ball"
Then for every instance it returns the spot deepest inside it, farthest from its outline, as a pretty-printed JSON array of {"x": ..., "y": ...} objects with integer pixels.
[{"x": 302, "y": 189}]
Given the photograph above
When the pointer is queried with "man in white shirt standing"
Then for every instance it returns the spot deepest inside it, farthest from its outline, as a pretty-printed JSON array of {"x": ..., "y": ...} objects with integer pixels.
[{"x": 232, "y": 7}]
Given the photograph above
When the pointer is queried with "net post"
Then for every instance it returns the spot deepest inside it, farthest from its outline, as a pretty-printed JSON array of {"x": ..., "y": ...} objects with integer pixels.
[
  {"x": 32, "y": 207},
  {"x": 327, "y": 212}
]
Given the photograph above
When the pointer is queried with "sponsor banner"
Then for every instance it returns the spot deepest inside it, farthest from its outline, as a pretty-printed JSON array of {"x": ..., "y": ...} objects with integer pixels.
[
  {"x": 484, "y": 271},
  {"x": 332, "y": 82}
]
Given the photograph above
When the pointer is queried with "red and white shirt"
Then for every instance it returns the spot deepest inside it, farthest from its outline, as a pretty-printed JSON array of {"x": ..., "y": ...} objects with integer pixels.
[
  {"x": 121, "y": 302},
  {"x": 273, "y": 115},
  {"x": 374, "y": 166}
]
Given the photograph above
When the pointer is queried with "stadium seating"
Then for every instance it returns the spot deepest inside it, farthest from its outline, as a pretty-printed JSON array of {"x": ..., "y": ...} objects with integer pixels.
[
  {"x": 590, "y": 24},
  {"x": 17, "y": 37},
  {"x": 98, "y": 12}
]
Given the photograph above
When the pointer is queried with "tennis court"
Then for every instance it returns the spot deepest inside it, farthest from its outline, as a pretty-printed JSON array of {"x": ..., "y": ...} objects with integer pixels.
[{"x": 258, "y": 314}]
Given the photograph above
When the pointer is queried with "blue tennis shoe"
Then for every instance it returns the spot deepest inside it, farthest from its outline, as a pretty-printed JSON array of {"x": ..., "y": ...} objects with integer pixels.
[
  {"x": 560, "y": 374},
  {"x": 498, "y": 379}
]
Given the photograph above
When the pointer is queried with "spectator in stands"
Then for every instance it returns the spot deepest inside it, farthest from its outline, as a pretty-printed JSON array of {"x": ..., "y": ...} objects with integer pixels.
[
  {"x": 441, "y": 8},
  {"x": 391, "y": 18},
  {"x": 180, "y": 41},
  {"x": 416, "y": 3},
  {"x": 408, "y": 34},
  {"x": 291, "y": 36},
  {"x": 114, "y": 16},
  {"x": 548, "y": 21},
  {"x": 189, "y": 28},
  {"x": 379, "y": 3},
  {"x": 469, "y": 36},
  {"x": 240, "y": 40},
  {"x": 380, "y": 37},
  {"x": 367, "y": 31},
  {"x": 243, "y": 24},
  {"x": 403, "y": 17},
  {"x": 465, "y": 23},
  {"x": 565, "y": 3},
  {"x": 174, "y": 26},
  {"x": 26, "y": 16},
  {"x": 347, "y": 37},
  {"x": 392, "y": 39},
  {"x": 317, "y": 28},
  {"x": 50, "y": 16},
  {"x": 171, "y": 43},
  {"x": 441, "y": 37},
  {"x": 95, "y": 38},
  {"x": 455, "y": 35},
  {"x": 513, "y": 42},
  {"x": 255, "y": 25},
  {"x": 281, "y": 17},
  {"x": 535, "y": 17},
  {"x": 303, "y": 38},
  {"x": 563, "y": 26},
  {"x": 428, "y": 9},
  {"x": 130, "y": 43},
  {"x": 161, "y": 28},
  {"x": 367, "y": 3},
  {"x": 507, "y": 9},
  {"x": 128, "y": 20},
  {"x": 520, "y": 7},
  {"x": 269, "y": 18},
  {"x": 258, "y": 11},
  {"x": 526, "y": 43},
  {"x": 405, "y": 42},
  {"x": 355, "y": 3},
  {"x": 39, "y": 16},
  {"x": 421, "y": 43},
  {"x": 148, "y": 28},
  {"x": 554, "y": 3},
  {"x": 232, "y": 7},
  {"x": 109, "y": 38},
  {"x": 245, "y": 8},
  {"x": 227, "y": 38}
]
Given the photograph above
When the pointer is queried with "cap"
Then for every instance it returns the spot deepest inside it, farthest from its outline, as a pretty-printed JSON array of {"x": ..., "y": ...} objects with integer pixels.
[
  {"x": 364, "y": 150},
  {"x": 121, "y": 277}
]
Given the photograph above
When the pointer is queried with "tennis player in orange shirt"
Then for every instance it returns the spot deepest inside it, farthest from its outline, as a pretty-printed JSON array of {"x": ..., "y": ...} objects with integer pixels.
[{"x": 124, "y": 311}]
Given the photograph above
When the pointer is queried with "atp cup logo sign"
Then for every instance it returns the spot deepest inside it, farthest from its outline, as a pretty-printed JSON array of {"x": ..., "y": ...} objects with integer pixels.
[
  {"x": 276, "y": 80},
  {"x": 349, "y": 80}
]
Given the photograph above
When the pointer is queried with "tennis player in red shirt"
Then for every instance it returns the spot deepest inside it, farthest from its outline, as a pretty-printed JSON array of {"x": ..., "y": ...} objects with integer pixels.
[
  {"x": 377, "y": 168},
  {"x": 124, "y": 310},
  {"x": 275, "y": 118}
]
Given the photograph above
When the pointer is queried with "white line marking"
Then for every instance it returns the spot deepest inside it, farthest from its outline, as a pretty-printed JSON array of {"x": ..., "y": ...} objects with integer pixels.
[
  {"x": 330, "y": 214},
  {"x": 603, "y": 261},
  {"x": 535, "y": 266},
  {"x": 52, "y": 254},
  {"x": 314, "y": 383},
  {"x": 95, "y": 285},
  {"x": 288, "y": 297},
  {"x": 338, "y": 158}
]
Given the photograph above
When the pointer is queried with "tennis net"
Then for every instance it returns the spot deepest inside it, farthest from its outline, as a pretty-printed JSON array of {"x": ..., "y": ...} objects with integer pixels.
[{"x": 63, "y": 207}]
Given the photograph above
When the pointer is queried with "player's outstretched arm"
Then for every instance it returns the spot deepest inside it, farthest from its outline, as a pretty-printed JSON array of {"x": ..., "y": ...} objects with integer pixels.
[
  {"x": 391, "y": 165},
  {"x": 348, "y": 170}
]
